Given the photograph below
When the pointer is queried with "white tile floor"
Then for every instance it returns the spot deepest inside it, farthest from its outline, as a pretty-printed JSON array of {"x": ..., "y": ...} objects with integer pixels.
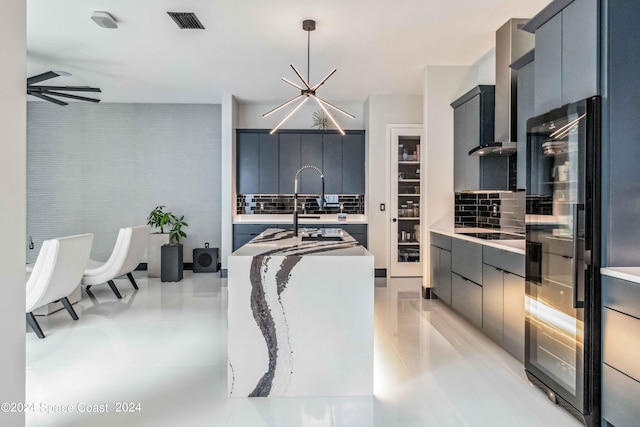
[{"x": 164, "y": 347}]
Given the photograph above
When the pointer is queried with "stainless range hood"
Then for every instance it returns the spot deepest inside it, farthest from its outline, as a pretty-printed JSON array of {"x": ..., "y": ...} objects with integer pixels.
[{"x": 511, "y": 43}]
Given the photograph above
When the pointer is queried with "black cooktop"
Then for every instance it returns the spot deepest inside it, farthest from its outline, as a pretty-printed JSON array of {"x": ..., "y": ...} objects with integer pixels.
[{"x": 494, "y": 236}]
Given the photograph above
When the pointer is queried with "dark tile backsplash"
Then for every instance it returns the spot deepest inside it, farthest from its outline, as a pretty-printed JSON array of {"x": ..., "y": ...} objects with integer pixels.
[
  {"x": 266, "y": 204},
  {"x": 539, "y": 205},
  {"x": 503, "y": 211}
]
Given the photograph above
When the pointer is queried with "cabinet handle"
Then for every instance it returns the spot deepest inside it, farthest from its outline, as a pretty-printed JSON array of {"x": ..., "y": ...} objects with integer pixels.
[{"x": 394, "y": 220}]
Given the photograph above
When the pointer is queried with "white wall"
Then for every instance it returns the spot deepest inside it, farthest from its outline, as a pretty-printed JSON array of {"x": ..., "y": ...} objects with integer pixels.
[
  {"x": 250, "y": 116},
  {"x": 13, "y": 205},
  {"x": 100, "y": 167},
  {"x": 443, "y": 85},
  {"x": 228, "y": 178},
  {"x": 382, "y": 111}
]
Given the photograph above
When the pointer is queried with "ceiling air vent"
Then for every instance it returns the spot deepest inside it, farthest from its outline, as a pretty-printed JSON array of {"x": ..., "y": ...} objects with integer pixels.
[{"x": 186, "y": 20}]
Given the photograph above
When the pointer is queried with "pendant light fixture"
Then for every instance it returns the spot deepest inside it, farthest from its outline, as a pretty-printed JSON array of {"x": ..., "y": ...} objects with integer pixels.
[{"x": 308, "y": 91}]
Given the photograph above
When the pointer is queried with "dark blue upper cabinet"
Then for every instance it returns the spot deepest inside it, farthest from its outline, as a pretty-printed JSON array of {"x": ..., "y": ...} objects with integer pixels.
[
  {"x": 548, "y": 66},
  {"x": 579, "y": 51},
  {"x": 248, "y": 162},
  {"x": 289, "y": 161},
  {"x": 269, "y": 163},
  {"x": 525, "y": 112},
  {"x": 310, "y": 154},
  {"x": 353, "y": 164},
  {"x": 567, "y": 65},
  {"x": 332, "y": 163}
]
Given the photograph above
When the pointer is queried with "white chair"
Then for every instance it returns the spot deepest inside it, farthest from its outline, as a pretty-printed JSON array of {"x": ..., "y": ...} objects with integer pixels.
[
  {"x": 56, "y": 273},
  {"x": 127, "y": 254}
]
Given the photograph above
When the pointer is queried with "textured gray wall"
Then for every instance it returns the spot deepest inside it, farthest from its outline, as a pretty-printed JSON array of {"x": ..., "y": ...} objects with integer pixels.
[{"x": 97, "y": 168}]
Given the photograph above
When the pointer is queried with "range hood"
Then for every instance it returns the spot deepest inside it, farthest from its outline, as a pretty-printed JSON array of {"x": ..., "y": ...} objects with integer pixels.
[{"x": 512, "y": 42}]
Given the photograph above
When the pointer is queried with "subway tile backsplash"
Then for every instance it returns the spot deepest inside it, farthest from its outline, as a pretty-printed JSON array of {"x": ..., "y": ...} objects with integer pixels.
[
  {"x": 503, "y": 210},
  {"x": 266, "y": 204}
]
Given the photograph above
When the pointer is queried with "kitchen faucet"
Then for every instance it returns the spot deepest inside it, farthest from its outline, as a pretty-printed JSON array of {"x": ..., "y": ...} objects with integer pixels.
[{"x": 295, "y": 196}]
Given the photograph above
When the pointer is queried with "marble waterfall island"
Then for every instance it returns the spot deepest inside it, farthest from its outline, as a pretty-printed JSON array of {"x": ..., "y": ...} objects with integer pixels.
[{"x": 300, "y": 316}]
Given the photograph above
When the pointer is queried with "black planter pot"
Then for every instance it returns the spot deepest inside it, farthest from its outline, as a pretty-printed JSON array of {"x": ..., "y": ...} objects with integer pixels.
[{"x": 171, "y": 265}]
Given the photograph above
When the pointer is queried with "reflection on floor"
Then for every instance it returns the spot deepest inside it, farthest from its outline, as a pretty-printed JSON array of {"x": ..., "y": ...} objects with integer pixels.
[{"x": 164, "y": 348}]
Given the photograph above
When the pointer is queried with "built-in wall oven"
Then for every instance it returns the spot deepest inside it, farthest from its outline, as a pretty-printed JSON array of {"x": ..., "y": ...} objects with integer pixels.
[{"x": 562, "y": 303}]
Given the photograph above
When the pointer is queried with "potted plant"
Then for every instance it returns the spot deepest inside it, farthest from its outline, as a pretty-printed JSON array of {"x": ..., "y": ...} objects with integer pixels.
[
  {"x": 158, "y": 219},
  {"x": 172, "y": 253}
]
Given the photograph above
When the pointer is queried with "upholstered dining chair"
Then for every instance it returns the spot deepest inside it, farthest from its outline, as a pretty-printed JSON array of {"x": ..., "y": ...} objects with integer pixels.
[
  {"x": 56, "y": 273},
  {"x": 127, "y": 254}
]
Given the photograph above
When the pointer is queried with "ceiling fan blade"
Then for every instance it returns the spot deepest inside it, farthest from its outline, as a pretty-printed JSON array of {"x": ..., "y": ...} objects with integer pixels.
[
  {"x": 291, "y": 83},
  {"x": 47, "y": 98},
  {"x": 324, "y": 80},
  {"x": 334, "y": 107},
  {"x": 301, "y": 78},
  {"x": 41, "y": 77},
  {"x": 281, "y": 106},
  {"x": 329, "y": 115},
  {"x": 289, "y": 115},
  {"x": 70, "y": 96},
  {"x": 68, "y": 88}
]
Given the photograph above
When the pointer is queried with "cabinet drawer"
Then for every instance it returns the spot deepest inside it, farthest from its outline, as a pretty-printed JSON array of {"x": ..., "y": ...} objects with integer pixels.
[
  {"x": 621, "y": 342},
  {"x": 441, "y": 241},
  {"x": 505, "y": 260},
  {"x": 466, "y": 298},
  {"x": 466, "y": 259},
  {"x": 621, "y": 295},
  {"x": 350, "y": 228},
  {"x": 620, "y": 397},
  {"x": 251, "y": 229}
]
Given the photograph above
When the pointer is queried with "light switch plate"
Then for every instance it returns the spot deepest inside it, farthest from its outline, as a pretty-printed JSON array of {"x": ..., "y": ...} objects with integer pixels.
[{"x": 382, "y": 207}]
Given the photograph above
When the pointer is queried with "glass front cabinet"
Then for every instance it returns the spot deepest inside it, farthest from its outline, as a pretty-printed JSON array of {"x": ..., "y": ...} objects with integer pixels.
[{"x": 406, "y": 202}]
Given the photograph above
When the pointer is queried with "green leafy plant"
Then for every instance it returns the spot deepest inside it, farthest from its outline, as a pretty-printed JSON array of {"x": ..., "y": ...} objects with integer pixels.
[
  {"x": 176, "y": 229},
  {"x": 159, "y": 218}
]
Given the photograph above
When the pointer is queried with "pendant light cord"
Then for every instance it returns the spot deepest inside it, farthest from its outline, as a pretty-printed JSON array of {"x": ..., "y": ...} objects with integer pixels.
[{"x": 308, "y": 56}]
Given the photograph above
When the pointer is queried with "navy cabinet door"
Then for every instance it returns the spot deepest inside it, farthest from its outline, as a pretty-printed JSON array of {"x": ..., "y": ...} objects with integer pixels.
[
  {"x": 459, "y": 146},
  {"x": 269, "y": 163},
  {"x": 353, "y": 164},
  {"x": 579, "y": 51},
  {"x": 289, "y": 161},
  {"x": 332, "y": 163},
  {"x": 548, "y": 66},
  {"x": 310, "y": 154},
  {"x": 473, "y": 125},
  {"x": 248, "y": 163},
  {"x": 525, "y": 112}
]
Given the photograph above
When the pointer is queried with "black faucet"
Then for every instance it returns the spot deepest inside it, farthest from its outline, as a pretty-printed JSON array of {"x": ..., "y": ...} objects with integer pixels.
[{"x": 295, "y": 196}]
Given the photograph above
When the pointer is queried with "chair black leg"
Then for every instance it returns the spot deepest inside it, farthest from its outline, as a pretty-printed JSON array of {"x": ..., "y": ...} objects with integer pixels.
[
  {"x": 65, "y": 302},
  {"x": 114, "y": 289},
  {"x": 88, "y": 287},
  {"x": 31, "y": 320},
  {"x": 133, "y": 282}
]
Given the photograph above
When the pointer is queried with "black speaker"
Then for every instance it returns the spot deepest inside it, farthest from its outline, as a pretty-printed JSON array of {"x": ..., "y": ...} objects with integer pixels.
[{"x": 205, "y": 260}]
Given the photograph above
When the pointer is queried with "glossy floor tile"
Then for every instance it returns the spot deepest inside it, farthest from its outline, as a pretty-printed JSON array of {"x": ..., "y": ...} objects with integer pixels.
[{"x": 164, "y": 347}]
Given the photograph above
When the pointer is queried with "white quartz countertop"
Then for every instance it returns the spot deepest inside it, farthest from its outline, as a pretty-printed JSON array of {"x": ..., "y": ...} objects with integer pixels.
[
  {"x": 631, "y": 274},
  {"x": 288, "y": 219},
  {"x": 278, "y": 242},
  {"x": 516, "y": 246}
]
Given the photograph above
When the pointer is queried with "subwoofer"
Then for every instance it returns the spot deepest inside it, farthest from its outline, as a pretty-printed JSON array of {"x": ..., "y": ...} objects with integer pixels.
[{"x": 205, "y": 260}]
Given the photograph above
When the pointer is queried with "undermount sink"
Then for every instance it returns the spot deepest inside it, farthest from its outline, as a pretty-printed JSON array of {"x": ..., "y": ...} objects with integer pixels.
[{"x": 321, "y": 238}]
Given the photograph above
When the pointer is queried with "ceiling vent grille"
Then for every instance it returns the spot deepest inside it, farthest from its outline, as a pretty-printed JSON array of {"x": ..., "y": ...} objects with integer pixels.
[{"x": 186, "y": 20}]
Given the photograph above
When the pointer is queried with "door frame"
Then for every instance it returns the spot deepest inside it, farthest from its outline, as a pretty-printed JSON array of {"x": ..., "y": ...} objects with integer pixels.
[{"x": 393, "y": 131}]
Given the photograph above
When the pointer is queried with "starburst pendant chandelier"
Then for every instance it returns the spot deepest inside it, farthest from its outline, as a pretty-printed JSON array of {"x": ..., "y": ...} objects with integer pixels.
[{"x": 308, "y": 91}]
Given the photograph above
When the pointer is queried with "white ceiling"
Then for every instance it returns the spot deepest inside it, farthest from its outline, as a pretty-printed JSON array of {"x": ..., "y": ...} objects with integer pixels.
[{"x": 378, "y": 46}]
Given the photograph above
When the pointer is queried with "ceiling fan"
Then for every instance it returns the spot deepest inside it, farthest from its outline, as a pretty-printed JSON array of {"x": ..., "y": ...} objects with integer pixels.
[
  {"x": 47, "y": 92},
  {"x": 308, "y": 91}
]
